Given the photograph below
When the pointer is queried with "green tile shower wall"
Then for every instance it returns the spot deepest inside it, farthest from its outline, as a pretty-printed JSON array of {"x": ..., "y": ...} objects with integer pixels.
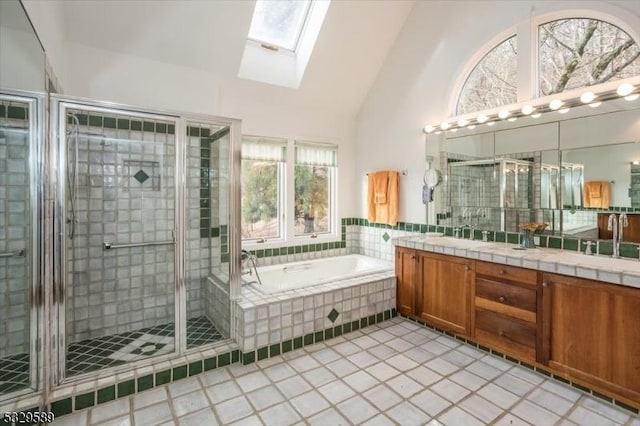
[{"x": 101, "y": 120}]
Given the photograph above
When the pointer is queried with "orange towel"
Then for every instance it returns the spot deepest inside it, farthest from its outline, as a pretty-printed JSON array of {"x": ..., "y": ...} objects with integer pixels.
[
  {"x": 383, "y": 212},
  {"x": 380, "y": 187},
  {"x": 597, "y": 194}
]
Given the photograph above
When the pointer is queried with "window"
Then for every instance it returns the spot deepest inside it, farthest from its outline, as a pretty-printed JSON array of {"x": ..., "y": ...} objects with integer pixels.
[
  {"x": 279, "y": 23},
  {"x": 315, "y": 171},
  {"x": 263, "y": 177},
  {"x": 575, "y": 53},
  {"x": 492, "y": 83}
]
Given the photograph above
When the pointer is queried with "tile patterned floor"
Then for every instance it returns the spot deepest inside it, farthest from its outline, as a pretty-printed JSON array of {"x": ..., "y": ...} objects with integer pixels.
[
  {"x": 14, "y": 373},
  {"x": 109, "y": 351},
  {"x": 392, "y": 373}
]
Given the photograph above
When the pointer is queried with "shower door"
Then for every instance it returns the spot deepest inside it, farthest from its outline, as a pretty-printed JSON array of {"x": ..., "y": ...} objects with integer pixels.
[
  {"x": 20, "y": 205},
  {"x": 117, "y": 177}
]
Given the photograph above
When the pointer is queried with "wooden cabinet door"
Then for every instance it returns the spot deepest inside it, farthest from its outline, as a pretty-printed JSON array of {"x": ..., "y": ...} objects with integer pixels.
[
  {"x": 594, "y": 333},
  {"x": 444, "y": 298},
  {"x": 405, "y": 280},
  {"x": 580, "y": 325}
]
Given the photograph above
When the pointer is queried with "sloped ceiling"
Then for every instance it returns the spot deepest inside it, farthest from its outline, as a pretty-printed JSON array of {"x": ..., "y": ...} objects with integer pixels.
[{"x": 210, "y": 35}]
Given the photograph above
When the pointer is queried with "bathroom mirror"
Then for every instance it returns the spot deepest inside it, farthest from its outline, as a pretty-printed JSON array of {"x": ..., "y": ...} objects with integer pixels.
[
  {"x": 537, "y": 170},
  {"x": 22, "y": 58}
]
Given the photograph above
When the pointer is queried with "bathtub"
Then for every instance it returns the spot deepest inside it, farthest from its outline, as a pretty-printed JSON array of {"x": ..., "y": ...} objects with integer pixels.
[{"x": 296, "y": 275}]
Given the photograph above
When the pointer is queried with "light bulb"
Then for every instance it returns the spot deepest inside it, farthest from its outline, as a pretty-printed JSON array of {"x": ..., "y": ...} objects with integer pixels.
[
  {"x": 527, "y": 109},
  {"x": 503, "y": 114},
  {"x": 587, "y": 97},
  {"x": 444, "y": 125},
  {"x": 512, "y": 119},
  {"x": 625, "y": 89},
  {"x": 481, "y": 118},
  {"x": 595, "y": 104},
  {"x": 491, "y": 123},
  {"x": 453, "y": 130},
  {"x": 463, "y": 122},
  {"x": 473, "y": 126},
  {"x": 632, "y": 97},
  {"x": 564, "y": 110},
  {"x": 428, "y": 128},
  {"x": 536, "y": 115},
  {"x": 555, "y": 104}
]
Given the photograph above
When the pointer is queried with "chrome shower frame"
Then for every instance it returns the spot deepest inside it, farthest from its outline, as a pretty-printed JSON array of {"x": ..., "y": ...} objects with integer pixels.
[
  {"x": 36, "y": 254},
  {"x": 59, "y": 106}
]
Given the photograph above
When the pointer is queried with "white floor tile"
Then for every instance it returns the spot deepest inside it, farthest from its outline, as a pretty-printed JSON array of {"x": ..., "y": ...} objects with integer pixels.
[
  {"x": 550, "y": 401},
  {"x": 233, "y": 409},
  {"x": 199, "y": 418},
  {"x": 117, "y": 408},
  {"x": 248, "y": 421},
  {"x": 468, "y": 380},
  {"x": 562, "y": 390},
  {"x": 535, "y": 414},
  {"x": 252, "y": 381},
  {"x": 382, "y": 371},
  {"x": 400, "y": 344},
  {"x": 265, "y": 397},
  {"x": 430, "y": 403},
  {"x": 326, "y": 355},
  {"x": 328, "y": 417},
  {"x": 604, "y": 409},
  {"x": 342, "y": 367},
  {"x": 363, "y": 359},
  {"x": 480, "y": 408},
  {"x": 280, "y": 415},
  {"x": 357, "y": 409},
  {"x": 77, "y": 419},
  {"x": 149, "y": 397},
  {"x": 117, "y": 421},
  {"x": 318, "y": 376},
  {"x": 304, "y": 363},
  {"x": 190, "y": 403},
  {"x": 336, "y": 392},
  {"x": 407, "y": 414},
  {"x": 365, "y": 342},
  {"x": 511, "y": 420},
  {"x": 223, "y": 391},
  {"x": 361, "y": 381},
  {"x": 347, "y": 348},
  {"x": 293, "y": 386},
  {"x": 279, "y": 372},
  {"x": 484, "y": 370},
  {"x": 153, "y": 414},
  {"x": 498, "y": 396},
  {"x": 401, "y": 362},
  {"x": 441, "y": 366},
  {"x": 514, "y": 384},
  {"x": 214, "y": 377},
  {"x": 404, "y": 386},
  {"x": 184, "y": 386},
  {"x": 382, "y": 397},
  {"x": 458, "y": 417},
  {"x": 450, "y": 390},
  {"x": 419, "y": 355},
  {"x": 309, "y": 403}
]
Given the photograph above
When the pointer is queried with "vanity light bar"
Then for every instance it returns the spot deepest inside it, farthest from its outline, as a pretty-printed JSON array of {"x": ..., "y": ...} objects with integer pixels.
[{"x": 626, "y": 90}]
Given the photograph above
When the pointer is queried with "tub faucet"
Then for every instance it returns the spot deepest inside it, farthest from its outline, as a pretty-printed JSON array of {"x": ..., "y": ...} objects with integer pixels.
[{"x": 248, "y": 262}]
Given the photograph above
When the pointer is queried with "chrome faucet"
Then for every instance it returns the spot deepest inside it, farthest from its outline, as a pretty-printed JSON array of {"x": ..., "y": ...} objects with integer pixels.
[
  {"x": 248, "y": 261},
  {"x": 616, "y": 226}
]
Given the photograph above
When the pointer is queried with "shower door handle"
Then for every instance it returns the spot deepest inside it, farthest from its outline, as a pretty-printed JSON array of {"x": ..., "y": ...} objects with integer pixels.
[
  {"x": 109, "y": 246},
  {"x": 15, "y": 253}
]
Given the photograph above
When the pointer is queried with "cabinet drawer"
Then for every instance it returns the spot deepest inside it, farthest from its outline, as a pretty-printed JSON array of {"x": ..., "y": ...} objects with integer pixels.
[
  {"x": 508, "y": 334},
  {"x": 506, "y": 294},
  {"x": 505, "y": 272}
]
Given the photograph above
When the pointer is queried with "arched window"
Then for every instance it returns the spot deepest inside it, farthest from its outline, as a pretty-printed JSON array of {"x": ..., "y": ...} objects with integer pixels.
[
  {"x": 492, "y": 83},
  {"x": 575, "y": 53}
]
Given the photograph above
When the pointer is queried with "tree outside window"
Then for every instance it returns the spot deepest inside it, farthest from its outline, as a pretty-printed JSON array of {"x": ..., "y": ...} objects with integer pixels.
[{"x": 577, "y": 53}]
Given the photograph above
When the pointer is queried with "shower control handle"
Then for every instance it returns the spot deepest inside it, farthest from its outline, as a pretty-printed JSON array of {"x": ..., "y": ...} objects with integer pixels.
[{"x": 107, "y": 246}]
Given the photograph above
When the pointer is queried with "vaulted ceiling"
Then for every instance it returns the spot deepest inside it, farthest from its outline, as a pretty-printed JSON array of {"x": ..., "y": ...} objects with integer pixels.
[{"x": 210, "y": 35}]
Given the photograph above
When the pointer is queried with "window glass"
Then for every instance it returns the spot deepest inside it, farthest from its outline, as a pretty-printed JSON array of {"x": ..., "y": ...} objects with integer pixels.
[
  {"x": 262, "y": 187},
  {"x": 577, "y": 53},
  {"x": 492, "y": 83},
  {"x": 279, "y": 22},
  {"x": 315, "y": 170}
]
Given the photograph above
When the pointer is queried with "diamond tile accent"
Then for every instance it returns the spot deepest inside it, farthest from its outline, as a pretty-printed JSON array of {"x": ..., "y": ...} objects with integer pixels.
[
  {"x": 333, "y": 315},
  {"x": 141, "y": 176},
  {"x": 385, "y": 237}
]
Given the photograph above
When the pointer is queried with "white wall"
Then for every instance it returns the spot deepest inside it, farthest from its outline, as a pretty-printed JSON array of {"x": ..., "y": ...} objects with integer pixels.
[{"x": 416, "y": 83}]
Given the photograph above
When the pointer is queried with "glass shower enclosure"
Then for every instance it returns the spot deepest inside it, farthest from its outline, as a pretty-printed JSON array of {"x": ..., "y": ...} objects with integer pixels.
[
  {"x": 142, "y": 226},
  {"x": 21, "y": 203}
]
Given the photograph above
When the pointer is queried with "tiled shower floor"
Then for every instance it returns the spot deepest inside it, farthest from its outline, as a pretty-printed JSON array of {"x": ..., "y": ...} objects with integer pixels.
[
  {"x": 14, "y": 373},
  {"x": 102, "y": 352}
]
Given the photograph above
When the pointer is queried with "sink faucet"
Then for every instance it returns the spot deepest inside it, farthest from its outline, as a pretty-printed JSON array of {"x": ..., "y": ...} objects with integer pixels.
[
  {"x": 616, "y": 228},
  {"x": 248, "y": 261}
]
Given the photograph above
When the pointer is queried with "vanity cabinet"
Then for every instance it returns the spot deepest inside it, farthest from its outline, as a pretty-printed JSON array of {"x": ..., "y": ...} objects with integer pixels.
[
  {"x": 405, "y": 280},
  {"x": 592, "y": 333},
  {"x": 444, "y": 298},
  {"x": 506, "y": 309},
  {"x": 435, "y": 288}
]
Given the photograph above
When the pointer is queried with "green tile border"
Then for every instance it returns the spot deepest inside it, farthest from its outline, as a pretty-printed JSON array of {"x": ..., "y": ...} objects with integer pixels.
[{"x": 540, "y": 370}]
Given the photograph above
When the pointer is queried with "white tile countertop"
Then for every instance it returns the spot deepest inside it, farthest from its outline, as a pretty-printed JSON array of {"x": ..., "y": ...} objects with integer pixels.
[{"x": 603, "y": 268}]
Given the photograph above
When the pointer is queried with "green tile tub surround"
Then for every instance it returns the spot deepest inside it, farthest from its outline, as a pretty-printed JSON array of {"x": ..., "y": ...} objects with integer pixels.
[{"x": 316, "y": 337}]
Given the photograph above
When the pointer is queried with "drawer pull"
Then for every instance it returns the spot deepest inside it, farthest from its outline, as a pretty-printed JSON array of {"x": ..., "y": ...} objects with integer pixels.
[
  {"x": 502, "y": 334},
  {"x": 502, "y": 299},
  {"x": 502, "y": 272},
  {"x": 544, "y": 284}
]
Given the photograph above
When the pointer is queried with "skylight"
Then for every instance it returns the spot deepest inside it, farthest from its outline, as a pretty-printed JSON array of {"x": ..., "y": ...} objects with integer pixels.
[{"x": 279, "y": 23}]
